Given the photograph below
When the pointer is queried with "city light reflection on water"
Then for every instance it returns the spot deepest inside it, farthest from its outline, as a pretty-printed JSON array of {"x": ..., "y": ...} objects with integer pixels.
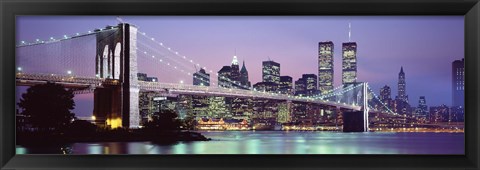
[{"x": 280, "y": 142}]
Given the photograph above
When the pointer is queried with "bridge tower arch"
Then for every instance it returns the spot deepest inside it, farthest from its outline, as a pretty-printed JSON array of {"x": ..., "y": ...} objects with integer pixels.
[{"x": 116, "y": 60}]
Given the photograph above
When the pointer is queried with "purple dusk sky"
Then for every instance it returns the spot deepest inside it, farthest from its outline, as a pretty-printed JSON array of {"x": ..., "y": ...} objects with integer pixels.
[{"x": 425, "y": 46}]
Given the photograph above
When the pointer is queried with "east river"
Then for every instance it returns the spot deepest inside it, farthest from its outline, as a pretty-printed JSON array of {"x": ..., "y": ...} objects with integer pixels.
[{"x": 278, "y": 142}]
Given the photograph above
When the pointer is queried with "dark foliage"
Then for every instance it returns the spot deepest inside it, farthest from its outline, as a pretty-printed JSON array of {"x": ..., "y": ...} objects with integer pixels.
[
  {"x": 81, "y": 128},
  {"x": 48, "y": 107},
  {"x": 189, "y": 122},
  {"x": 165, "y": 121}
]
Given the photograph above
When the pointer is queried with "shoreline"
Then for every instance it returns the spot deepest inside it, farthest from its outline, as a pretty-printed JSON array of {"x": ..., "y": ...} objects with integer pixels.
[{"x": 38, "y": 139}]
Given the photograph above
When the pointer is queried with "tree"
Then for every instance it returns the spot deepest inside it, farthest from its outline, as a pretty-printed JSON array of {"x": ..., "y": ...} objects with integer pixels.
[
  {"x": 82, "y": 128},
  {"x": 48, "y": 107},
  {"x": 165, "y": 120},
  {"x": 189, "y": 122}
]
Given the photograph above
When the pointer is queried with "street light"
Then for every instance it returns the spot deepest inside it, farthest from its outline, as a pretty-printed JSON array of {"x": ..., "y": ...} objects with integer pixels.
[
  {"x": 19, "y": 68},
  {"x": 93, "y": 117},
  {"x": 69, "y": 72}
]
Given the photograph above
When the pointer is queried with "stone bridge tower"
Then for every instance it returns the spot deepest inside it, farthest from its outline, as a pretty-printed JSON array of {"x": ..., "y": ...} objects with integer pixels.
[{"x": 116, "y": 105}]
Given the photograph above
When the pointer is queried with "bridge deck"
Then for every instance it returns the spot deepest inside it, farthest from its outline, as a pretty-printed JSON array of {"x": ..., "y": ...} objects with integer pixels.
[{"x": 94, "y": 82}]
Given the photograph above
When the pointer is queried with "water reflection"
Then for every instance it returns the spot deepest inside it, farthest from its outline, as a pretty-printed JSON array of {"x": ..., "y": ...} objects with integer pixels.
[
  {"x": 278, "y": 142},
  {"x": 20, "y": 150}
]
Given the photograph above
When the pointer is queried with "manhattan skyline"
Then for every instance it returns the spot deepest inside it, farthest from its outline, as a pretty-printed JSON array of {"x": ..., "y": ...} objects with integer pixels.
[{"x": 424, "y": 46}]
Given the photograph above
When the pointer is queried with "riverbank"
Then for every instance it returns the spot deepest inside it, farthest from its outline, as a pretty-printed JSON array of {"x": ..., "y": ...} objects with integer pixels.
[{"x": 161, "y": 137}]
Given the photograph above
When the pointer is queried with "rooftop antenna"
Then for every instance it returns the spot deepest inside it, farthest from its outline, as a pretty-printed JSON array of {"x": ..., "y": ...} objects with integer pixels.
[
  {"x": 196, "y": 70},
  {"x": 349, "y": 32},
  {"x": 120, "y": 20}
]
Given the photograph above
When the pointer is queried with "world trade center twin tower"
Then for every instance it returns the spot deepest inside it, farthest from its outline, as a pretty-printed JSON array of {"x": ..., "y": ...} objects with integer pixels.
[{"x": 326, "y": 66}]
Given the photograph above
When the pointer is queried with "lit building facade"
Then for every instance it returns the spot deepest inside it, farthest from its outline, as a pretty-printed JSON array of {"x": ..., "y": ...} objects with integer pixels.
[
  {"x": 349, "y": 63},
  {"x": 457, "y": 114},
  {"x": 300, "y": 87},
  {"x": 242, "y": 108},
  {"x": 144, "y": 77},
  {"x": 439, "y": 114},
  {"x": 233, "y": 77},
  {"x": 265, "y": 113},
  {"x": 218, "y": 107},
  {"x": 325, "y": 67},
  {"x": 299, "y": 114},
  {"x": 422, "y": 109},
  {"x": 286, "y": 85},
  {"x": 458, "y": 83},
  {"x": 200, "y": 106},
  {"x": 146, "y": 100},
  {"x": 284, "y": 110},
  {"x": 307, "y": 85},
  {"x": 271, "y": 72},
  {"x": 201, "y": 78},
  {"x": 402, "y": 86},
  {"x": 147, "y": 106},
  {"x": 244, "y": 76},
  {"x": 235, "y": 71},
  {"x": 184, "y": 106},
  {"x": 315, "y": 113},
  {"x": 224, "y": 77},
  {"x": 152, "y": 79},
  {"x": 265, "y": 86},
  {"x": 310, "y": 84},
  {"x": 401, "y": 100},
  {"x": 385, "y": 94}
]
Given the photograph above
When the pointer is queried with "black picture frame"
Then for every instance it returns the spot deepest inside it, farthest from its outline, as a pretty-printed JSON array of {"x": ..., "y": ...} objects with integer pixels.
[{"x": 9, "y": 9}]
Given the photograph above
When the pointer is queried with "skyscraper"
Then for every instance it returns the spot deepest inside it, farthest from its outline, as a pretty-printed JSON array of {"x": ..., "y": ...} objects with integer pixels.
[
  {"x": 144, "y": 77},
  {"x": 310, "y": 84},
  {"x": 244, "y": 76},
  {"x": 422, "y": 110},
  {"x": 266, "y": 86},
  {"x": 271, "y": 71},
  {"x": 300, "y": 87},
  {"x": 325, "y": 66},
  {"x": 386, "y": 96},
  {"x": 286, "y": 85},
  {"x": 458, "y": 83},
  {"x": 349, "y": 63},
  {"x": 307, "y": 85},
  {"x": 201, "y": 78},
  {"x": 349, "y": 71},
  {"x": 402, "y": 87},
  {"x": 224, "y": 77},
  {"x": 401, "y": 100},
  {"x": 439, "y": 114},
  {"x": 235, "y": 71},
  {"x": 232, "y": 77},
  {"x": 385, "y": 93}
]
